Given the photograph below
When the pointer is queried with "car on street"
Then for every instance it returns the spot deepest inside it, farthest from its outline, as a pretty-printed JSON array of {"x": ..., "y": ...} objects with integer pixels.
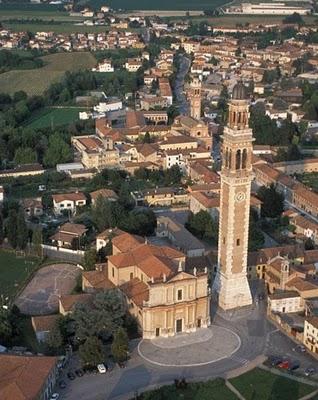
[
  {"x": 71, "y": 375},
  {"x": 101, "y": 368},
  {"x": 275, "y": 360},
  {"x": 284, "y": 365},
  {"x": 310, "y": 371},
  {"x": 54, "y": 396},
  {"x": 300, "y": 348},
  {"x": 62, "y": 384},
  {"x": 293, "y": 365}
]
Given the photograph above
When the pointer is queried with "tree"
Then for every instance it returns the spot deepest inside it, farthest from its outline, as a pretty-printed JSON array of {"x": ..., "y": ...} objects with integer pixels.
[
  {"x": 22, "y": 231},
  {"x": 295, "y": 18},
  {"x": 309, "y": 244},
  {"x": 11, "y": 228},
  {"x": 102, "y": 319},
  {"x": 37, "y": 242},
  {"x": 120, "y": 345},
  {"x": 90, "y": 259},
  {"x": 272, "y": 201},
  {"x": 203, "y": 226},
  {"x": 1, "y": 229},
  {"x": 256, "y": 237},
  {"x": 25, "y": 156},
  {"x": 58, "y": 151},
  {"x": 91, "y": 352},
  {"x": 5, "y": 326},
  {"x": 54, "y": 339},
  {"x": 173, "y": 175}
]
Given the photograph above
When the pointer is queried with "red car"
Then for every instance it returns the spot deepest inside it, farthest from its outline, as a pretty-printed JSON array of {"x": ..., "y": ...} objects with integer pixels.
[{"x": 284, "y": 365}]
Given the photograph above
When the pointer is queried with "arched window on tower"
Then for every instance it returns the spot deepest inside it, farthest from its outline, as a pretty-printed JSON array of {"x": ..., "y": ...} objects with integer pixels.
[
  {"x": 238, "y": 159},
  {"x": 226, "y": 158},
  {"x": 230, "y": 159},
  {"x": 244, "y": 158}
]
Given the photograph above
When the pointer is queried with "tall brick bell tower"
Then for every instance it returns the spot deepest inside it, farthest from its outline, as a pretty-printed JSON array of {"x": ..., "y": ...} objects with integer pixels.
[
  {"x": 231, "y": 284},
  {"x": 195, "y": 98}
]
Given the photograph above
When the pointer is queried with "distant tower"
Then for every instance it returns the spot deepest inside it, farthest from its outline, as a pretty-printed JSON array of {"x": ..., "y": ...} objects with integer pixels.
[
  {"x": 195, "y": 98},
  {"x": 231, "y": 282},
  {"x": 284, "y": 273}
]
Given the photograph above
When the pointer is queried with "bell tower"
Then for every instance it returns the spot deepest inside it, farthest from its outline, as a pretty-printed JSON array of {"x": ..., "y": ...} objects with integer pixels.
[
  {"x": 195, "y": 98},
  {"x": 231, "y": 284}
]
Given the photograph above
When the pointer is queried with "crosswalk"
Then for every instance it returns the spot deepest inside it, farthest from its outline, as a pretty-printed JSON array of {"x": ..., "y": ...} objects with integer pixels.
[{"x": 239, "y": 360}]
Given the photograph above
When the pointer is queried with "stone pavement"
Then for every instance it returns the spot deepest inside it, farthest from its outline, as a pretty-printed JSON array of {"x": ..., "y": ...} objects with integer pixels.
[{"x": 209, "y": 345}]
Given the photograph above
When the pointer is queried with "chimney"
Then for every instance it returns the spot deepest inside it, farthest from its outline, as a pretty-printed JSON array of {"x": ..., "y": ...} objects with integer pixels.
[
  {"x": 164, "y": 277},
  {"x": 205, "y": 270},
  {"x": 146, "y": 240},
  {"x": 194, "y": 271},
  {"x": 152, "y": 279}
]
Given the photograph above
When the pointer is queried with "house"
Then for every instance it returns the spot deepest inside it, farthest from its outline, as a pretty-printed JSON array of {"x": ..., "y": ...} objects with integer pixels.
[
  {"x": 42, "y": 325},
  {"x": 32, "y": 207},
  {"x": 206, "y": 201},
  {"x": 106, "y": 236},
  {"x": 27, "y": 377},
  {"x": 285, "y": 302},
  {"x": 68, "y": 202},
  {"x": 94, "y": 281},
  {"x": 69, "y": 235},
  {"x": 107, "y": 194},
  {"x": 68, "y": 302},
  {"x": 105, "y": 66},
  {"x": 163, "y": 196},
  {"x": 132, "y": 65},
  {"x": 311, "y": 334},
  {"x": 23, "y": 170},
  {"x": 179, "y": 237}
]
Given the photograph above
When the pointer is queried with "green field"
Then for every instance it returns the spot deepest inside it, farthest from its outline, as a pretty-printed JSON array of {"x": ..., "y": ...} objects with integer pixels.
[
  {"x": 13, "y": 272},
  {"x": 159, "y": 4},
  {"x": 54, "y": 117},
  {"x": 36, "y": 81},
  {"x": 263, "y": 385},
  {"x": 65, "y": 27},
  {"x": 210, "y": 390},
  {"x": 309, "y": 179}
]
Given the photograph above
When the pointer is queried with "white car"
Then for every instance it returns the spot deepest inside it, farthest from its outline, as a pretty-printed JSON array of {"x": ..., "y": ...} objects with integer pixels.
[
  {"x": 55, "y": 396},
  {"x": 101, "y": 368}
]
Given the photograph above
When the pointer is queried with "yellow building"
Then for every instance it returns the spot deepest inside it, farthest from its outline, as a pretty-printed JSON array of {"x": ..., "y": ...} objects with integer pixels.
[
  {"x": 311, "y": 334},
  {"x": 164, "y": 296}
]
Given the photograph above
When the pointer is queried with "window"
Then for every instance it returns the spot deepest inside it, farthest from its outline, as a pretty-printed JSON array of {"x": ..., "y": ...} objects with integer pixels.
[
  {"x": 238, "y": 160},
  {"x": 237, "y": 242},
  {"x": 113, "y": 272},
  {"x": 244, "y": 158},
  {"x": 157, "y": 332},
  {"x": 179, "y": 294},
  {"x": 131, "y": 275},
  {"x": 224, "y": 240}
]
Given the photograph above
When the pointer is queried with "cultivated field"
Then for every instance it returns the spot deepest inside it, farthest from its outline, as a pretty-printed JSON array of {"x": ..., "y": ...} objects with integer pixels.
[
  {"x": 36, "y": 81},
  {"x": 57, "y": 27},
  {"x": 54, "y": 117}
]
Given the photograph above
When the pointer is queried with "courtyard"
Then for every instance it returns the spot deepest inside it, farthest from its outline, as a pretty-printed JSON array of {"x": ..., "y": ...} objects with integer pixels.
[{"x": 41, "y": 295}]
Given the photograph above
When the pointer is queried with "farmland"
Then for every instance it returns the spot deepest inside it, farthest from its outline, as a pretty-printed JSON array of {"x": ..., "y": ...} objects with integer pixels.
[
  {"x": 35, "y": 82},
  {"x": 57, "y": 27},
  {"x": 54, "y": 117}
]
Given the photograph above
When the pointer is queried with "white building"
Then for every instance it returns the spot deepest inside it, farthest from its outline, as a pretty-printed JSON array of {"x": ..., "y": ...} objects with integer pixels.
[
  {"x": 109, "y": 105},
  {"x": 311, "y": 334},
  {"x": 104, "y": 66},
  {"x": 268, "y": 9},
  {"x": 68, "y": 201},
  {"x": 285, "y": 302}
]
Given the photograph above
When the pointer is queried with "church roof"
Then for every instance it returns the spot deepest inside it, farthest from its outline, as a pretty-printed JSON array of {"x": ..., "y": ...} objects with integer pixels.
[{"x": 239, "y": 92}]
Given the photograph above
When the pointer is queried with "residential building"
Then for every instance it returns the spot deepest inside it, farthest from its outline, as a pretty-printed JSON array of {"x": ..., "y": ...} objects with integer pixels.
[
  {"x": 311, "y": 334},
  {"x": 68, "y": 202}
]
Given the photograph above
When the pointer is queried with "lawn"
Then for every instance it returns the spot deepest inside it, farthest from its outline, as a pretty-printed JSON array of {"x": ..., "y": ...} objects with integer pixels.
[
  {"x": 263, "y": 385},
  {"x": 57, "y": 27},
  {"x": 54, "y": 117},
  {"x": 160, "y": 4},
  {"x": 210, "y": 390},
  {"x": 36, "y": 81},
  {"x": 13, "y": 272}
]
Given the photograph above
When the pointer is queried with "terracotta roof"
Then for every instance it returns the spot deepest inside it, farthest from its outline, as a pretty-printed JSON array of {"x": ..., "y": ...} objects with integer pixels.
[
  {"x": 76, "y": 196},
  {"x": 69, "y": 301},
  {"x": 44, "y": 323},
  {"x": 311, "y": 256},
  {"x": 23, "y": 378},
  {"x": 136, "y": 290},
  {"x": 110, "y": 233},
  {"x": 75, "y": 229},
  {"x": 127, "y": 242},
  {"x": 105, "y": 193},
  {"x": 301, "y": 285},
  {"x": 98, "y": 279},
  {"x": 135, "y": 119},
  {"x": 283, "y": 295},
  {"x": 207, "y": 199}
]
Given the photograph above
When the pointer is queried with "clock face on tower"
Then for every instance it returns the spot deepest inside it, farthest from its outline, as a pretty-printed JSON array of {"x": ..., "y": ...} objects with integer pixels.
[{"x": 240, "y": 196}]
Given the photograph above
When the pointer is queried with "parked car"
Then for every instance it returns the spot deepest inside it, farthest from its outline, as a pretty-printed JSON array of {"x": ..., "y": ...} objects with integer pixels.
[
  {"x": 300, "y": 348},
  {"x": 62, "y": 384},
  {"x": 293, "y": 365},
  {"x": 310, "y": 371},
  {"x": 101, "y": 368},
  {"x": 275, "y": 360},
  {"x": 284, "y": 365},
  {"x": 71, "y": 375},
  {"x": 79, "y": 372},
  {"x": 55, "y": 396}
]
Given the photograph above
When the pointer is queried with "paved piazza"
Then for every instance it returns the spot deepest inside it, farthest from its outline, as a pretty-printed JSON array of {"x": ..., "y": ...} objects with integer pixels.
[{"x": 203, "y": 347}]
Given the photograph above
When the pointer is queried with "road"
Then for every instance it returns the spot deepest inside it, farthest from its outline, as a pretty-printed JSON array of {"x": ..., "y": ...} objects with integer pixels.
[{"x": 182, "y": 101}]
